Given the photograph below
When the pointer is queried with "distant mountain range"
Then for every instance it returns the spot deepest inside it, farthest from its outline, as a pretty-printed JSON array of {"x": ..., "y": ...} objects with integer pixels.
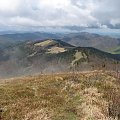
[
  {"x": 53, "y": 55},
  {"x": 82, "y": 39}
]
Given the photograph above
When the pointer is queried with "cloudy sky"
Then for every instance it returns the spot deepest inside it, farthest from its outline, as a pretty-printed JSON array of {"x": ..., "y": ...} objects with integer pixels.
[{"x": 35, "y": 13}]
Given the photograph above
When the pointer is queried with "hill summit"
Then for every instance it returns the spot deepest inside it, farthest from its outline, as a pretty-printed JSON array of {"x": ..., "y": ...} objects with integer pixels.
[{"x": 52, "y": 55}]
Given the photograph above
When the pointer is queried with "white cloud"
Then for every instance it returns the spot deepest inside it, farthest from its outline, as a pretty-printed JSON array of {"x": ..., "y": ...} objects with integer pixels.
[
  {"x": 115, "y": 21},
  {"x": 59, "y": 12},
  {"x": 54, "y": 3},
  {"x": 8, "y": 5}
]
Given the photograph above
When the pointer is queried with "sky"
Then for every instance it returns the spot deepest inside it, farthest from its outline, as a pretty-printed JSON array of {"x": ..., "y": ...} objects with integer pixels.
[{"x": 31, "y": 14}]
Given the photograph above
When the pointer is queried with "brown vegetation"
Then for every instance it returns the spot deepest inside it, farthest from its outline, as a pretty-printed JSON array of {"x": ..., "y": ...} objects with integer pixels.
[{"x": 71, "y": 96}]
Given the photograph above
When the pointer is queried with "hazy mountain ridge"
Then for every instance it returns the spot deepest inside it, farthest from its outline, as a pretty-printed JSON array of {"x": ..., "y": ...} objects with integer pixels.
[
  {"x": 85, "y": 39},
  {"x": 82, "y": 39}
]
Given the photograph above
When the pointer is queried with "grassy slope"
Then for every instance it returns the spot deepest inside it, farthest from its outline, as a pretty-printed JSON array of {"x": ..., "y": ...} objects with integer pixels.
[
  {"x": 115, "y": 50},
  {"x": 83, "y": 96}
]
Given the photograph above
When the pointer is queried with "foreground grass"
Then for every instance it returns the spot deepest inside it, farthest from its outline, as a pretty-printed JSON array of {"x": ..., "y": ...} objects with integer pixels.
[{"x": 73, "y": 96}]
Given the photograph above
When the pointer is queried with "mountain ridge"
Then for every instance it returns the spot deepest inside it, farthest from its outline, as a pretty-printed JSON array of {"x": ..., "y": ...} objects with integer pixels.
[
  {"x": 54, "y": 55},
  {"x": 83, "y": 39}
]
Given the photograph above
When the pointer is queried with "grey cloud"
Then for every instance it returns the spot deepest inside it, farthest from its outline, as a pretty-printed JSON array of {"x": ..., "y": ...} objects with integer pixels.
[
  {"x": 99, "y": 13},
  {"x": 108, "y": 11}
]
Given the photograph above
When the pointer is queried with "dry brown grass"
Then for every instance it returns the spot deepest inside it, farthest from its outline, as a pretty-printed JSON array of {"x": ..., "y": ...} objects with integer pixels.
[
  {"x": 56, "y": 50},
  {"x": 70, "y": 96},
  {"x": 78, "y": 55},
  {"x": 44, "y": 43}
]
